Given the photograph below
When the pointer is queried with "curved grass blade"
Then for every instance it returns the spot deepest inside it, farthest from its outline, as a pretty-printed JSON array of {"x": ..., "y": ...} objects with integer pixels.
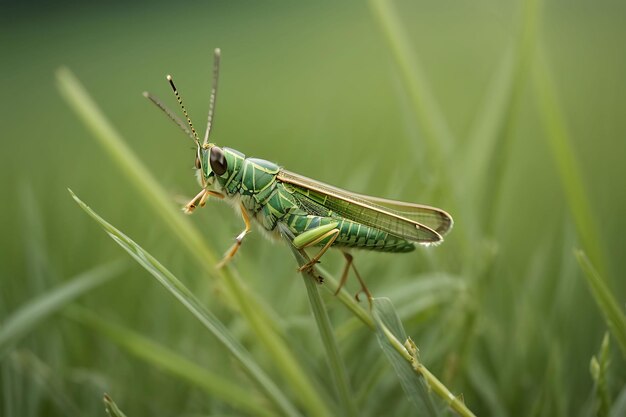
[
  {"x": 169, "y": 361},
  {"x": 36, "y": 310},
  {"x": 191, "y": 303},
  {"x": 611, "y": 310},
  {"x": 111, "y": 408}
]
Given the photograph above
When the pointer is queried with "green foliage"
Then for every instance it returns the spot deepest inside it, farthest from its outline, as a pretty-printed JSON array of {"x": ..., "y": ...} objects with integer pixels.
[{"x": 506, "y": 114}]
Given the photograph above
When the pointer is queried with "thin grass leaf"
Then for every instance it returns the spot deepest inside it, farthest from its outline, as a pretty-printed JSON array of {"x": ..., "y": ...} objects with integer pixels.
[
  {"x": 492, "y": 141},
  {"x": 415, "y": 378},
  {"x": 335, "y": 363},
  {"x": 24, "y": 320},
  {"x": 611, "y": 310},
  {"x": 598, "y": 367},
  {"x": 111, "y": 408},
  {"x": 191, "y": 303},
  {"x": 567, "y": 165},
  {"x": 434, "y": 127},
  {"x": 162, "y": 357},
  {"x": 262, "y": 323},
  {"x": 413, "y": 383}
]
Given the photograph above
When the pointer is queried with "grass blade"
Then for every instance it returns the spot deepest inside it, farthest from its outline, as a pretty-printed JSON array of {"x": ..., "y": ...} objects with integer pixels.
[
  {"x": 191, "y": 303},
  {"x": 388, "y": 323},
  {"x": 111, "y": 408},
  {"x": 489, "y": 147},
  {"x": 416, "y": 379},
  {"x": 169, "y": 361},
  {"x": 569, "y": 170},
  {"x": 611, "y": 310},
  {"x": 36, "y": 310},
  {"x": 435, "y": 130},
  {"x": 335, "y": 363}
]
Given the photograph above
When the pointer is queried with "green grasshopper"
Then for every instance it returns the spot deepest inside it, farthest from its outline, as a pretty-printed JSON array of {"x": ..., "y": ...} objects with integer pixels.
[{"x": 313, "y": 213}]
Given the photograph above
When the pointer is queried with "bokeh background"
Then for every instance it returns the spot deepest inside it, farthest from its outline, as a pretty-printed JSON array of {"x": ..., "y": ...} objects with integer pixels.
[{"x": 455, "y": 117}]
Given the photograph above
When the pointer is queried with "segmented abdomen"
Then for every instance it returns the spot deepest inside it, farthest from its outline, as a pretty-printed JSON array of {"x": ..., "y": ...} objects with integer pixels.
[{"x": 351, "y": 234}]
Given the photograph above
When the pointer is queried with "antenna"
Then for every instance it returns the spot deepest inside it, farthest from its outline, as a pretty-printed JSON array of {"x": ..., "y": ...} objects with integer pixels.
[
  {"x": 169, "y": 114},
  {"x": 216, "y": 72},
  {"x": 182, "y": 106}
]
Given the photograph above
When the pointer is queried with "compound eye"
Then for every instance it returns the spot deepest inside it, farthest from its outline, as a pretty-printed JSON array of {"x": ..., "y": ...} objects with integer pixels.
[
  {"x": 198, "y": 165},
  {"x": 217, "y": 161}
]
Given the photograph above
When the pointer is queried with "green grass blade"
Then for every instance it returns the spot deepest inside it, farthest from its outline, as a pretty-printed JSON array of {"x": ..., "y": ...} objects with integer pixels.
[
  {"x": 415, "y": 378},
  {"x": 566, "y": 163},
  {"x": 611, "y": 310},
  {"x": 413, "y": 383},
  {"x": 38, "y": 309},
  {"x": 147, "y": 186},
  {"x": 111, "y": 408},
  {"x": 490, "y": 145},
  {"x": 169, "y": 361},
  {"x": 335, "y": 363},
  {"x": 435, "y": 130},
  {"x": 255, "y": 313},
  {"x": 191, "y": 303}
]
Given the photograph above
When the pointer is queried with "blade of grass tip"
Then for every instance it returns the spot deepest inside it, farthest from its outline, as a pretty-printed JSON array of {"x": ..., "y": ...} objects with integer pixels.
[
  {"x": 599, "y": 367},
  {"x": 567, "y": 165},
  {"x": 435, "y": 130},
  {"x": 169, "y": 361},
  {"x": 415, "y": 378},
  {"x": 191, "y": 303},
  {"x": 111, "y": 408},
  {"x": 335, "y": 363},
  {"x": 262, "y": 323},
  {"x": 22, "y": 321},
  {"x": 611, "y": 310}
]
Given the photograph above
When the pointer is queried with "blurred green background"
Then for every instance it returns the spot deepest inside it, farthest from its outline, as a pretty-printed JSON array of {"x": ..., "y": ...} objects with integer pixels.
[{"x": 319, "y": 88}]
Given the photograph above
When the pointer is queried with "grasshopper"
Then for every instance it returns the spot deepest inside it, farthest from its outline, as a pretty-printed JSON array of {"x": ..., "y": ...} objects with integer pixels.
[{"x": 313, "y": 213}]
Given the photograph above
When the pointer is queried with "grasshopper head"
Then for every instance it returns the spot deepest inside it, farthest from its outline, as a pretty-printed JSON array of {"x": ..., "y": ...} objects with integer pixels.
[{"x": 211, "y": 163}]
